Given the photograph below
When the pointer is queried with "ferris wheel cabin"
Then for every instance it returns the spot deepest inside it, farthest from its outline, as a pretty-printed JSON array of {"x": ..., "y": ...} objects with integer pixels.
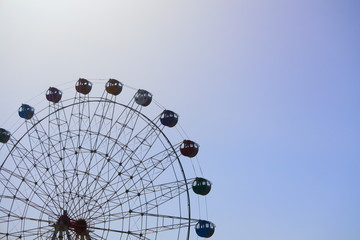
[
  {"x": 205, "y": 229},
  {"x": 26, "y": 111},
  {"x": 53, "y": 95},
  {"x": 83, "y": 86},
  {"x": 169, "y": 118},
  {"x": 143, "y": 97},
  {"x": 114, "y": 87},
  {"x": 201, "y": 186},
  {"x": 4, "y": 135},
  {"x": 189, "y": 148}
]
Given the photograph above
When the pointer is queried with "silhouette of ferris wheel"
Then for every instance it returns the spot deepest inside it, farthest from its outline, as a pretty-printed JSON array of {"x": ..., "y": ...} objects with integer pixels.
[{"x": 94, "y": 168}]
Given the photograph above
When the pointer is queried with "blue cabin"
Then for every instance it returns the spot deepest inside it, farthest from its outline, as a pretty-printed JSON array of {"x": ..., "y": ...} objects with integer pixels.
[
  {"x": 26, "y": 111},
  {"x": 201, "y": 186},
  {"x": 189, "y": 148},
  {"x": 83, "y": 86},
  {"x": 114, "y": 87},
  {"x": 205, "y": 229},
  {"x": 169, "y": 118},
  {"x": 143, "y": 97},
  {"x": 53, "y": 95},
  {"x": 4, "y": 135}
]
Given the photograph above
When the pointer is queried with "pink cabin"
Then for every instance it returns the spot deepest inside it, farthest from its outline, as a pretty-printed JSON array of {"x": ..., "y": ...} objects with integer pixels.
[{"x": 53, "y": 95}]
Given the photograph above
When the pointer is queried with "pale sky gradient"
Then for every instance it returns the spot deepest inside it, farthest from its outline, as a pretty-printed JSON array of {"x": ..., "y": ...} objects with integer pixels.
[{"x": 270, "y": 90}]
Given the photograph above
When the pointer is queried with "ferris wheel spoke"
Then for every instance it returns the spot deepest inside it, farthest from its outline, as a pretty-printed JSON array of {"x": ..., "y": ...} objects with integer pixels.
[
  {"x": 34, "y": 173},
  {"x": 36, "y": 157},
  {"x": 15, "y": 217},
  {"x": 45, "y": 209},
  {"x": 98, "y": 184},
  {"x": 56, "y": 126},
  {"x": 83, "y": 189},
  {"x": 34, "y": 233},
  {"x": 164, "y": 216},
  {"x": 120, "y": 127},
  {"x": 125, "y": 138},
  {"x": 167, "y": 192},
  {"x": 130, "y": 233},
  {"x": 17, "y": 194},
  {"x": 151, "y": 168},
  {"x": 168, "y": 223},
  {"x": 99, "y": 118},
  {"x": 116, "y": 195},
  {"x": 84, "y": 121},
  {"x": 104, "y": 156},
  {"x": 22, "y": 159},
  {"x": 142, "y": 141},
  {"x": 114, "y": 123},
  {"x": 85, "y": 177},
  {"x": 132, "y": 160},
  {"x": 162, "y": 192},
  {"x": 70, "y": 149},
  {"x": 124, "y": 131},
  {"x": 140, "y": 166},
  {"x": 43, "y": 146}
]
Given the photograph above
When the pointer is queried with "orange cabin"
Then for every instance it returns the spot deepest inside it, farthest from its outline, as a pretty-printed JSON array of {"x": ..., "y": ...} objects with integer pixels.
[
  {"x": 114, "y": 87},
  {"x": 83, "y": 86}
]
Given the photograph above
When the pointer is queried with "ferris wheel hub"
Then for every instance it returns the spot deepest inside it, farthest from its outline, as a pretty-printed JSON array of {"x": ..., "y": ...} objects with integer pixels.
[
  {"x": 63, "y": 223},
  {"x": 80, "y": 227}
]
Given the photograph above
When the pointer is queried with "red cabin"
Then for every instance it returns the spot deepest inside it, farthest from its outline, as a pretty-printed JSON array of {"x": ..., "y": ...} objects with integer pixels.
[
  {"x": 83, "y": 86},
  {"x": 189, "y": 148},
  {"x": 53, "y": 95},
  {"x": 114, "y": 87}
]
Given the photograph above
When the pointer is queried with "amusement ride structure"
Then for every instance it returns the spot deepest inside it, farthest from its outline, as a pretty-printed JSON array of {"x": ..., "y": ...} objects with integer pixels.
[{"x": 93, "y": 168}]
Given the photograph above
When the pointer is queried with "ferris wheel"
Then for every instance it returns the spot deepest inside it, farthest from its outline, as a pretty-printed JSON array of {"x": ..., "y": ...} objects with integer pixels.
[{"x": 91, "y": 167}]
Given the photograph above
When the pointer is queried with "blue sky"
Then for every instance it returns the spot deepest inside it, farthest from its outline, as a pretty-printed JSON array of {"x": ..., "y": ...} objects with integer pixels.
[{"x": 270, "y": 90}]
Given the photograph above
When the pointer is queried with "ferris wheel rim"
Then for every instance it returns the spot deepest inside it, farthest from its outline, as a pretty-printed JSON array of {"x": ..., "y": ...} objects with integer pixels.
[
  {"x": 143, "y": 98},
  {"x": 98, "y": 100}
]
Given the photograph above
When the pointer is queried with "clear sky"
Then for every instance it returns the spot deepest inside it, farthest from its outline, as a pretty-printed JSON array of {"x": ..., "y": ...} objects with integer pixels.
[{"x": 270, "y": 90}]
